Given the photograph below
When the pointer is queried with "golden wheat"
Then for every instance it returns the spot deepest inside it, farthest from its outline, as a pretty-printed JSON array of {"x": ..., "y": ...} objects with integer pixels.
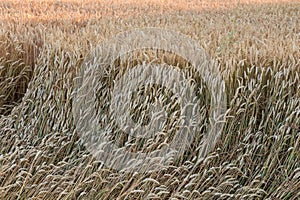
[{"x": 43, "y": 45}]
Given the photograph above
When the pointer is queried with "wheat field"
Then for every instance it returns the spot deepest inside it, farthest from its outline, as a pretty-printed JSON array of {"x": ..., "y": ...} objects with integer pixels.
[{"x": 43, "y": 46}]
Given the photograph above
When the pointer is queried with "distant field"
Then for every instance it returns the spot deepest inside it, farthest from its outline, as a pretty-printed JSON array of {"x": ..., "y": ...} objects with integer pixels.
[
  {"x": 94, "y": 9},
  {"x": 256, "y": 43}
]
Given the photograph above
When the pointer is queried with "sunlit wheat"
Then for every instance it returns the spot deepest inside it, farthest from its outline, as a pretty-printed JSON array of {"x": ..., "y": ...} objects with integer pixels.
[{"x": 255, "y": 45}]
